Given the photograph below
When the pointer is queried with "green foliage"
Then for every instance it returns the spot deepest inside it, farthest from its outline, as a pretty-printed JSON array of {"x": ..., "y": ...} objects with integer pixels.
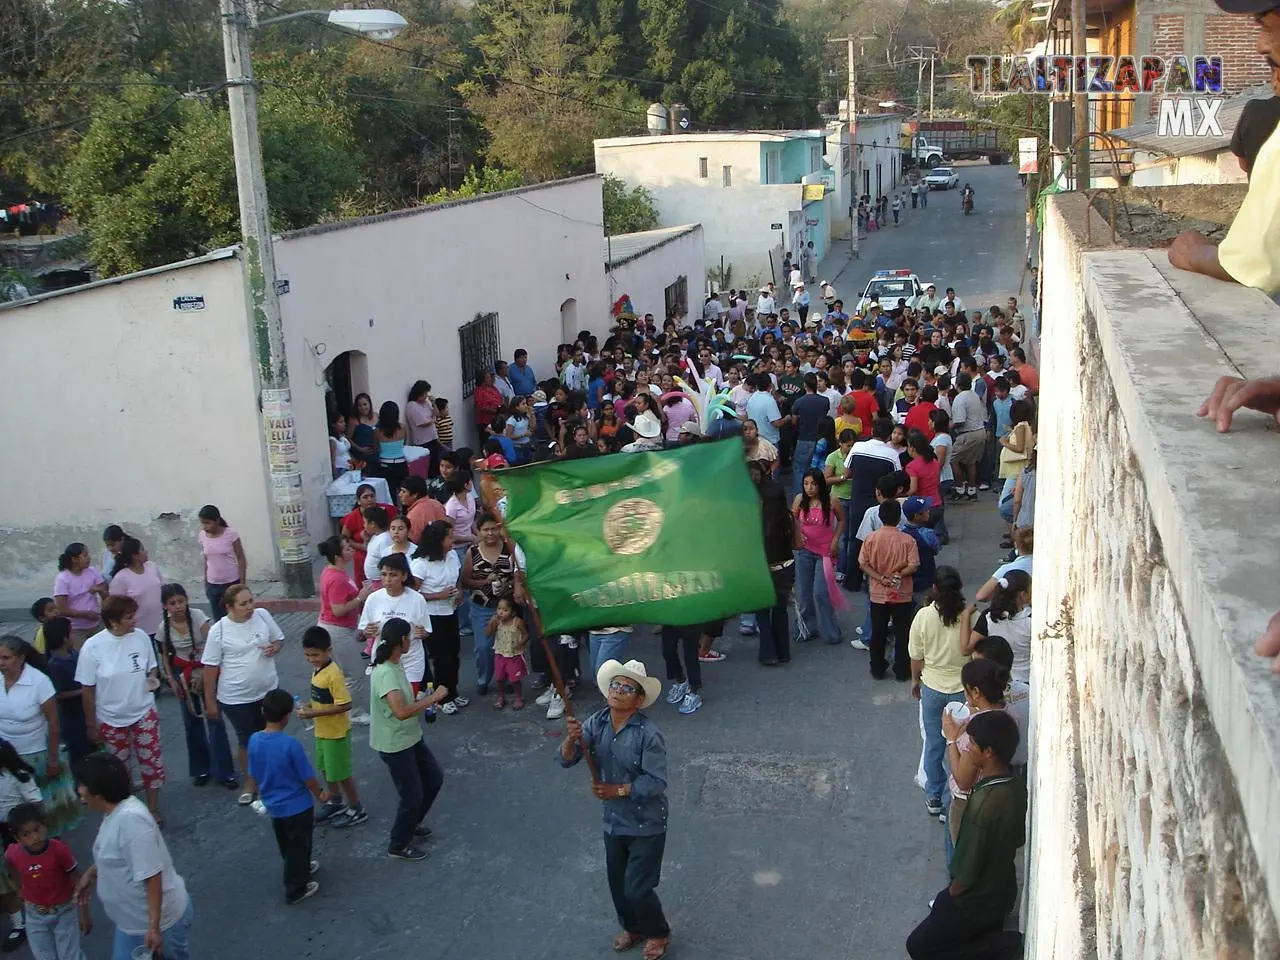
[
  {"x": 477, "y": 183},
  {"x": 154, "y": 181},
  {"x": 627, "y": 211}
]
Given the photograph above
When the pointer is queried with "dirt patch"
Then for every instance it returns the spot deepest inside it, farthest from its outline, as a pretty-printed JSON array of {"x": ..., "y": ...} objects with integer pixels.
[{"x": 1154, "y": 216}]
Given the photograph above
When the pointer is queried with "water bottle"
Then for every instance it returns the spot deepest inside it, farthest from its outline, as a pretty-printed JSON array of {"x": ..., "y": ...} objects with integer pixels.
[{"x": 431, "y": 710}]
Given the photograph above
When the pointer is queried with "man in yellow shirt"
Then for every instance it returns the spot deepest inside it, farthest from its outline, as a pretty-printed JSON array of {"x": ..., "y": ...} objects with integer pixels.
[{"x": 1250, "y": 253}]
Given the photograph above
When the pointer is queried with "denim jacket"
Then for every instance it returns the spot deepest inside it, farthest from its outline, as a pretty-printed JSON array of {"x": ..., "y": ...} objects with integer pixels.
[{"x": 637, "y": 755}]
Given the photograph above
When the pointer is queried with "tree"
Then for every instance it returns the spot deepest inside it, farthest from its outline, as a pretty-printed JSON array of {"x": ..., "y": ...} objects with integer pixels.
[
  {"x": 477, "y": 183},
  {"x": 153, "y": 180},
  {"x": 627, "y": 211}
]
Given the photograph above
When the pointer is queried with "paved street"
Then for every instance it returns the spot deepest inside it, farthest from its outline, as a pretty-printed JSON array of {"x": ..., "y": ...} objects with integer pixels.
[{"x": 796, "y": 827}]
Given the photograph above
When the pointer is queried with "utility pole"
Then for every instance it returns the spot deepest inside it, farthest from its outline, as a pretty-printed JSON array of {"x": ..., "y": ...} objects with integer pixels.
[
  {"x": 851, "y": 118},
  {"x": 919, "y": 54},
  {"x": 276, "y": 404},
  {"x": 852, "y": 112},
  {"x": 1080, "y": 118},
  {"x": 931, "y": 59}
]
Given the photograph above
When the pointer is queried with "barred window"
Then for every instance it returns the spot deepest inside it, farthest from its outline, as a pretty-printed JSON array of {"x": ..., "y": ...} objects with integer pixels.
[{"x": 479, "y": 348}]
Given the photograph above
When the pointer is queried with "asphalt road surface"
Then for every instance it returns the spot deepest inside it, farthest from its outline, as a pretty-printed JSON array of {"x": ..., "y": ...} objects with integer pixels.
[{"x": 796, "y": 827}]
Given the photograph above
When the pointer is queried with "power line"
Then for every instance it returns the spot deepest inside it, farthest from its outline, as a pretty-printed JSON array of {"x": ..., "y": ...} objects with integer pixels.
[{"x": 153, "y": 115}]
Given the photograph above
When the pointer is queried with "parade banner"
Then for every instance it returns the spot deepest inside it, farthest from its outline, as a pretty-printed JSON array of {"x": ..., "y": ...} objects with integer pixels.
[{"x": 669, "y": 537}]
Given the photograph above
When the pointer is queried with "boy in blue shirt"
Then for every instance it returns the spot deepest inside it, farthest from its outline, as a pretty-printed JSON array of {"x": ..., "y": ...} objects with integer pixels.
[
  {"x": 915, "y": 514},
  {"x": 287, "y": 785}
]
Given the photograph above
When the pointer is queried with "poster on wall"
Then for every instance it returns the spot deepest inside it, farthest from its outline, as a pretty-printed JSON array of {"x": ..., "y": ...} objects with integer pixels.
[{"x": 1028, "y": 154}]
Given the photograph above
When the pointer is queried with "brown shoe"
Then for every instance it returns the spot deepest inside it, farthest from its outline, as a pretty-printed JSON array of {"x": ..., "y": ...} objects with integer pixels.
[
  {"x": 655, "y": 948},
  {"x": 625, "y": 941}
]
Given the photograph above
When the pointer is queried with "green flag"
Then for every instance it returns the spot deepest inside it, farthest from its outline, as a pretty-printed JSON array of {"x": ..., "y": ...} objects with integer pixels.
[{"x": 671, "y": 537}]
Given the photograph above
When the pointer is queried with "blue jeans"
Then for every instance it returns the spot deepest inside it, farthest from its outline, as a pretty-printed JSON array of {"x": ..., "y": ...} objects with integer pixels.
[
  {"x": 866, "y": 621},
  {"x": 1006, "y": 499},
  {"x": 800, "y": 463},
  {"x": 208, "y": 750},
  {"x": 811, "y": 591},
  {"x": 847, "y": 536},
  {"x": 418, "y": 777},
  {"x": 176, "y": 946},
  {"x": 481, "y": 642},
  {"x": 932, "y": 703},
  {"x": 464, "y": 610},
  {"x": 607, "y": 646}
]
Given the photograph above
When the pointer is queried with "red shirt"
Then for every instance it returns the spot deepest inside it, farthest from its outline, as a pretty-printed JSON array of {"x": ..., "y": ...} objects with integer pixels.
[
  {"x": 488, "y": 400},
  {"x": 336, "y": 586},
  {"x": 917, "y": 418},
  {"x": 46, "y": 876},
  {"x": 1030, "y": 377},
  {"x": 353, "y": 524},
  {"x": 867, "y": 407},
  {"x": 926, "y": 475}
]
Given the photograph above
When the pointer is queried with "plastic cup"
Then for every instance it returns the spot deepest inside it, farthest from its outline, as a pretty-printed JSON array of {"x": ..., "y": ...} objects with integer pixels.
[{"x": 142, "y": 952}]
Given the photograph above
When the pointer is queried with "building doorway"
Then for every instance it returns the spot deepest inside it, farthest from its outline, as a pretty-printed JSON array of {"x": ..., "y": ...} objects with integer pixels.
[
  {"x": 345, "y": 378},
  {"x": 569, "y": 321}
]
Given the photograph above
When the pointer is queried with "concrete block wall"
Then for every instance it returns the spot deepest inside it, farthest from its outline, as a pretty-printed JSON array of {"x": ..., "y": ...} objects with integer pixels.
[{"x": 1156, "y": 777}]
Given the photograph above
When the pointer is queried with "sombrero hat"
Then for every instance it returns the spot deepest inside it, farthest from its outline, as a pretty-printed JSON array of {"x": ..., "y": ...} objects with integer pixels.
[{"x": 633, "y": 670}]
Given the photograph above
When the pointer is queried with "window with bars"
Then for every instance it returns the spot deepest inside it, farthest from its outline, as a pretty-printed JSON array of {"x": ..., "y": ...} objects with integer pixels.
[
  {"x": 479, "y": 348},
  {"x": 726, "y": 176},
  {"x": 702, "y": 167}
]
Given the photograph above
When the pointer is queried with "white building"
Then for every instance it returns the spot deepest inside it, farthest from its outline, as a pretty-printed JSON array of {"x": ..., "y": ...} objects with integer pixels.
[
  {"x": 876, "y": 160},
  {"x": 757, "y": 194},
  {"x": 155, "y": 408},
  {"x": 663, "y": 271}
]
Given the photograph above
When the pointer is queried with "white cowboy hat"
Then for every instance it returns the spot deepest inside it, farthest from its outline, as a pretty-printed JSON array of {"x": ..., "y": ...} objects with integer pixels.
[
  {"x": 632, "y": 670},
  {"x": 647, "y": 425}
]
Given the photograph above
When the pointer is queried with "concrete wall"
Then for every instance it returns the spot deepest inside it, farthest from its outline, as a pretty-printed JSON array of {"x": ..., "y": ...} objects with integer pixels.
[
  {"x": 876, "y": 140},
  {"x": 155, "y": 411},
  {"x": 646, "y": 277},
  {"x": 146, "y": 413},
  {"x": 736, "y": 219},
  {"x": 1156, "y": 769},
  {"x": 1218, "y": 167}
]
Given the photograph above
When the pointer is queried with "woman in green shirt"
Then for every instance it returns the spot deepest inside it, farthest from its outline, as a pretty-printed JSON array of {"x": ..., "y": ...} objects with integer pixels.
[{"x": 395, "y": 733}]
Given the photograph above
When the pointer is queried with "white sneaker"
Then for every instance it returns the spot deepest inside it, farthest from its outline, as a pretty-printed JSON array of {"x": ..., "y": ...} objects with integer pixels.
[
  {"x": 548, "y": 695},
  {"x": 259, "y": 808},
  {"x": 360, "y": 717},
  {"x": 858, "y": 631},
  {"x": 555, "y": 710},
  {"x": 677, "y": 692},
  {"x": 368, "y": 671},
  {"x": 858, "y": 645}
]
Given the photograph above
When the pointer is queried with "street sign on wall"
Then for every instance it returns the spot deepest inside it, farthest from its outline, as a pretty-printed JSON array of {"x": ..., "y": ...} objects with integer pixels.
[{"x": 1028, "y": 154}]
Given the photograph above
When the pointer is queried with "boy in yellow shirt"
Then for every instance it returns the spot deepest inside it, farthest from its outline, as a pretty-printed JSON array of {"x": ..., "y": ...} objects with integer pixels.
[{"x": 330, "y": 708}]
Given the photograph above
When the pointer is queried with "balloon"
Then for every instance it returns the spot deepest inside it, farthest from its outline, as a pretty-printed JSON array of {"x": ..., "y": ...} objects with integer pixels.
[{"x": 669, "y": 394}]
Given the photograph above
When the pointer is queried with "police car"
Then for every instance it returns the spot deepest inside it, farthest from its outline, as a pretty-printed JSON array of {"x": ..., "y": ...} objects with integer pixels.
[{"x": 888, "y": 286}]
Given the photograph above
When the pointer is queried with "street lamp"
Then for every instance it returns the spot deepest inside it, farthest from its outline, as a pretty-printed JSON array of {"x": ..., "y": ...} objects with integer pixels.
[{"x": 239, "y": 18}]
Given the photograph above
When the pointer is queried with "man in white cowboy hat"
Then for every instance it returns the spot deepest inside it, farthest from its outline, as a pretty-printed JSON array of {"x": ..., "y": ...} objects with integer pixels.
[
  {"x": 648, "y": 430},
  {"x": 631, "y": 759}
]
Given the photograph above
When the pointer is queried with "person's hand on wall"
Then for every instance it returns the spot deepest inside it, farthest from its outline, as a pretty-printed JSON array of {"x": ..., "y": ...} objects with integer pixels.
[
  {"x": 1268, "y": 644},
  {"x": 1232, "y": 393}
]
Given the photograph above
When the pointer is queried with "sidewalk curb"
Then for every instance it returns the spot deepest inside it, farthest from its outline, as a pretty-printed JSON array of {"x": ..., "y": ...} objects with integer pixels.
[{"x": 272, "y": 605}]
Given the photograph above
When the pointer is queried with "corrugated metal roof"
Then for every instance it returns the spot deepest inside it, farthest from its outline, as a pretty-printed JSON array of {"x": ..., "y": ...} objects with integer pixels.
[
  {"x": 625, "y": 247},
  {"x": 1144, "y": 136}
]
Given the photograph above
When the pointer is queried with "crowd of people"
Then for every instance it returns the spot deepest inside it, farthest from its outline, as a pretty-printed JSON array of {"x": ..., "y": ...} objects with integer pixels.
[{"x": 861, "y": 432}]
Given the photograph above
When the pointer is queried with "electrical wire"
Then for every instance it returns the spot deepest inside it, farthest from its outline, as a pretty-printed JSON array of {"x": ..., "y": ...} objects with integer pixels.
[{"x": 88, "y": 118}]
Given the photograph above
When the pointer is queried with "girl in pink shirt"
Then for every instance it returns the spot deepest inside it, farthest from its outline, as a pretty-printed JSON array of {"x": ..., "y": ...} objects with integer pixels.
[
  {"x": 224, "y": 561},
  {"x": 340, "y": 598},
  {"x": 78, "y": 590},
  {"x": 137, "y": 577}
]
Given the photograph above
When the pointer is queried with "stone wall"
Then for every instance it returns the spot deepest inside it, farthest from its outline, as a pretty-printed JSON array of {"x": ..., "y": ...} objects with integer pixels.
[{"x": 1156, "y": 774}]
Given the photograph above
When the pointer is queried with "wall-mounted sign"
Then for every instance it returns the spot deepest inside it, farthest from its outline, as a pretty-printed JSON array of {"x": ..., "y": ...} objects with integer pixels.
[
  {"x": 282, "y": 287},
  {"x": 1028, "y": 154},
  {"x": 775, "y": 226},
  {"x": 813, "y": 191},
  {"x": 188, "y": 303}
]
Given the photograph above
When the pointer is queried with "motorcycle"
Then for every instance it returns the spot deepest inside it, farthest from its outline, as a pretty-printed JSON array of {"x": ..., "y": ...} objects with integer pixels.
[{"x": 967, "y": 204}]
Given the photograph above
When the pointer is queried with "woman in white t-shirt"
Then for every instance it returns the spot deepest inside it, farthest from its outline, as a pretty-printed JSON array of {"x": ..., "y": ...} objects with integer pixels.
[
  {"x": 396, "y": 599},
  {"x": 142, "y": 893},
  {"x": 436, "y": 567},
  {"x": 239, "y": 670},
  {"x": 29, "y": 720},
  {"x": 1009, "y": 616},
  {"x": 118, "y": 673}
]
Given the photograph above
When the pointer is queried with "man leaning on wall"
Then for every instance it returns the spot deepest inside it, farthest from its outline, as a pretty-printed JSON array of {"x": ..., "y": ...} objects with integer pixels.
[{"x": 1249, "y": 255}]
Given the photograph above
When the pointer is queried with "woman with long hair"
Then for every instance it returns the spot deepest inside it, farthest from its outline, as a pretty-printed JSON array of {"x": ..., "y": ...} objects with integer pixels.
[
  {"x": 181, "y": 640},
  {"x": 985, "y": 684},
  {"x": 1009, "y": 616},
  {"x": 340, "y": 598},
  {"x": 135, "y": 576},
  {"x": 826, "y": 443},
  {"x": 390, "y": 436},
  {"x": 936, "y": 661},
  {"x": 339, "y": 444},
  {"x": 396, "y": 734},
  {"x": 30, "y": 721},
  {"x": 224, "y": 559},
  {"x": 942, "y": 443},
  {"x": 353, "y": 528},
  {"x": 820, "y": 522},
  {"x": 78, "y": 590},
  {"x": 925, "y": 470},
  {"x": 437, "y": 568},
  {"x": 489, "y": 574},
  {"x": 364, "y": 444},
  {"x": 780, "y": 543},
  {"x": 420, "y": 414}
]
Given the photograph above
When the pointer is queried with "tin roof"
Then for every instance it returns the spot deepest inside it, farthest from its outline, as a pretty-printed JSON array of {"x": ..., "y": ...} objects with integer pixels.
[
  {"x": 625, "y": 247},
  {"x": 1144, "y": 136}
]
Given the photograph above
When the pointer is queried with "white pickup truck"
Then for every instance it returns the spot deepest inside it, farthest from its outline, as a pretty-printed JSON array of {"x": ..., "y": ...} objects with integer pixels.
[{"x": 941, "y": 178}]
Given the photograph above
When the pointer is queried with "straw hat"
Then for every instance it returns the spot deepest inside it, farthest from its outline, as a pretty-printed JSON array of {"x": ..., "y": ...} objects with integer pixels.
[
  {"x": 647, "y": 425},
  {"x": 633, "y": 670}
]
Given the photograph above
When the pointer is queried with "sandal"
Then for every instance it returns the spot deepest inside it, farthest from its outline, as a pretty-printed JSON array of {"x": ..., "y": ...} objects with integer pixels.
[
  {"x": 518, "y": 704},
  {"x": 499, "y": 702},
  {"x": 655, "y": 948},
  {"x": 625, "y": 941}
]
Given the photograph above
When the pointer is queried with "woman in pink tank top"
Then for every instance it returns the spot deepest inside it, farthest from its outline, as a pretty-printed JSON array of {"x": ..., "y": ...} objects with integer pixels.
[{"x": 821, "y": 521}]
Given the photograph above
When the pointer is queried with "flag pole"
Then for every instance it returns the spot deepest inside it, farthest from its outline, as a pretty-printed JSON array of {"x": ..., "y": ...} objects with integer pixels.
[{"x": 557, "y": 680}]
